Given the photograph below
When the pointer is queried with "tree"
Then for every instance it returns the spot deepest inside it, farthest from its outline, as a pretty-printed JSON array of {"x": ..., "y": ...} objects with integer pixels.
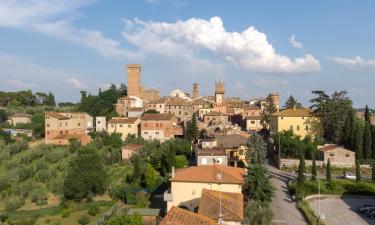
[
  {"x": 41, "y": 98},
  {"x": 260, "y": 188},
  {"x": 358, "y": 139},
  {"x": 301, "y": 168},
  {"x": 192, "y": 131},
  {"x": 291, "y": 103},
  {"x": 367, "y": 114},
  {"x": 171, "y": 158},
  {"x": 50, "y": 100},
  {"x": 86, "y": 175},
  {"x": 258, "y": 213},
  {"x": 3, "y": 116},
  {"x": 357, "y": 171},
  {"x": 125, "y": 220},
  {"x": 314, "y": 172},
  {"x": 348, "y": 131},
  {"x": 367, "y": 140},
  {"x": 257, "y": 149},
  {"x": 151, "y": 176},
  {"x": 84, "y": 220},
  {"x": 373, "y": 141},
  {"x": 328, "y": 172},
  {"x": 137, "y": 167},
  {"x": 373, "y": 170},
  {"x": 269, "y": 108},
  {"x": 181, "y": 161}
]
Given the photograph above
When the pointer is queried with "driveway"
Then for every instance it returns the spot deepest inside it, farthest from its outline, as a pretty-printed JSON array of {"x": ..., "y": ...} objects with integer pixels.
[
  {"x": 340, "y": 211},
  {"x": 285, "y": 211}
]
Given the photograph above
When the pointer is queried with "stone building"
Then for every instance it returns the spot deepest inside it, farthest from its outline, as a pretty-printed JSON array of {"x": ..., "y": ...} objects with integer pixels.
[
  {"x": 19, "y": 118},
  {"x": 155, "y": 126},
  {"x": 181, "y": 108},
  {"x": 149, "y": 94},
  {"x": 125, "y": 103},
  {"x": 252, "y": 110},
  {"x": 125, "y": 126},
  {"x": 219, "y": 104},
  {"x": 177, "y": 93},
  {"x": 100, "y": 123},
  {"x": 134, "y": 79},
  {"x": 253, "y": 123},
  {"x": 338, "y": 156},
  {"x": 214, "y": 117},
  {"x": 195, "y": 93},
  {"x": 128, "y": 150},
  {"x": 157, "y": 104}
]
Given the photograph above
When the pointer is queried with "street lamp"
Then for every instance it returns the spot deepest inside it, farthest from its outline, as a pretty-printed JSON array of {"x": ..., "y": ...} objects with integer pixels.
[{"x": 319, "y": 214}]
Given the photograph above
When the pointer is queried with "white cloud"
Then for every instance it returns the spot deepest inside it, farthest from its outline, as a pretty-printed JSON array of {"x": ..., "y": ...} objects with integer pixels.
[
  {"x": 249, "y": 49},
  {"x": 294, "y": 42},
  {"x": 54, "y": 18},
  {"x": 20, "y": 84},
  {"x": 356, "y": 61},
  {"x": 77, "y": 84}
]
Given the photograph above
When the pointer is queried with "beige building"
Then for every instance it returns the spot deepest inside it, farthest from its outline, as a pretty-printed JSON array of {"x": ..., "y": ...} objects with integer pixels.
[
  {"x": 204, "y": 110},
  {"x": 124, "y": 126},
  {"x": 158, "y": 104},
  {"x": 128, "y": 102},
  {"x": 155, "y": 126},
  {"x": 297, "y": 120},
  {"x": 100, "y": 123},
  {"x": 215, "y": 117},
  {"x": 235, "y": 145},
  {"x": 181, "y": 108},
  {"x": 338, "y": 156},
  {"x": 19, "y": 118},
  {"x": 128, "y": 150},
  {"x": 252, "y": 110},
  {"x": 187, "y": 184},
  {"x": 61, "y": 126},
  {"x": 210, "y": 156},
  {"x": 253, "y": 123}
]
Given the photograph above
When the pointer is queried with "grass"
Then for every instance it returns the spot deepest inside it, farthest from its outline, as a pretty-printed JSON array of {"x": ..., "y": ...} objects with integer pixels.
[
  {"x": 309, "y": 214},
  {"x": 335, "y": 171}
]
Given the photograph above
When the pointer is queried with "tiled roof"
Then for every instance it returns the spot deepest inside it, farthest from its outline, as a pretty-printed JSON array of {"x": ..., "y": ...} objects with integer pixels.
[
  {"x": 294, "y": 113},
  {"x": 21, "y": 114},
  {"x": 253, "y": 117},
  {"x": 157, "y": 116},
  {"x": 132, "y": 146},
  {"x": 178, "y": 216},
  {"x": 57, "y": 115},
  {"x": 231, "y": 205},
  {"x": 177, "y": 101},
  {"x": 159, "y": 100},
  {"x": 214, "y": 113},
  {"x": 252, "y": 107},
  {"x": 211, "y": 152},
  {"x": 231, "y": 140},
  {"x": 126, "y": 120},
  {"x": 210, "y": 173},
  {"x": 328, "y": 147}
]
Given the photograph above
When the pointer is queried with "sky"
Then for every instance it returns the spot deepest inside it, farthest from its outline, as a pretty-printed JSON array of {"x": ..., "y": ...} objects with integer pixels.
[{"x": 256, "y": 47}]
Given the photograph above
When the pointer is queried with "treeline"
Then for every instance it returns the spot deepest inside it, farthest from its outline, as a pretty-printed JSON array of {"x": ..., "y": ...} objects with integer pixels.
[{"x": 26, "y": 98}]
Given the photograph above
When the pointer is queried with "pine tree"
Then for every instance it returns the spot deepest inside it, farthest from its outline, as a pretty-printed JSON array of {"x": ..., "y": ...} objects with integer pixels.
[
  {"x": 357, "y": 171},
  {"x": 373, "y": 170},
  {"x": 292, "y": 103},
  {"x": 328, "y": 172},
  {"x": 314, "y": 172},
  {"x": 367, "y": 140},
  {"x": 367, "y": 114},
  {"x": 301, "y": 168}
]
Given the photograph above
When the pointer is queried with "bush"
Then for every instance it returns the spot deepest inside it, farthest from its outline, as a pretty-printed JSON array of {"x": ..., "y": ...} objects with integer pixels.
[
  {"x": 53, "y": 156},
  {"x": 181, "y": 161},
  {"x": 39, "y": 196},
  {"x": 94, "y": 209},
  {"x": 65, "y": 213},
  {"x": 84, "y": 220},
  {"x": 42, "y": 176},
  {"x": 12, "y": 204},
  {"x": 25, "y": 173}
]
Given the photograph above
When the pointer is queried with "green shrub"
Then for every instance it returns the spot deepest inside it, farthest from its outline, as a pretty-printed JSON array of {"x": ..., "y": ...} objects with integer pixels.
[
  {"x": 181, "y": 161},
  {"x": 12, "y": 204},
  {"x": 84, "y": 220},
  {"x": 42, "y": 176},
  {"x": 39, "y": 196},
  {"x": 94, "y": 209},
  {"x": 65, "y": 212}
]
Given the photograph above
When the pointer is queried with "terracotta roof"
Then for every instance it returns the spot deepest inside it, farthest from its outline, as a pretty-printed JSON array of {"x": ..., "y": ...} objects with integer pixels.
[
  {"x": 294, "y": 113},
  {"x": 231, "y": 205},
  {"x": 328, "y": 147},
  {"x": 252, "y": 107},
  {"x": 159, "y": 101},
  {"x": 214, "y": 113},
  {"x": 178, "y": 216},
  {"x": 132, "y": 146},
  {"x": 177, "y": 101},
  {"x": 135, "y": 109},
  {"x": 209, "y": 173},
  {"x": 253, "y": 117},
  {"x": 231, "y": 140},
  {"x": 157, "y": 116},
  {"x": 211, "y": 152},
  {"x": 21, "y": 114},
  {"x": 126, "y": 120},
  {"x": 57, "y": 115}
]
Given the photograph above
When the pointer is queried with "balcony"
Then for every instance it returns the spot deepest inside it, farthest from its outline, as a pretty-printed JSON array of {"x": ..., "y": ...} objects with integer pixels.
[{"x": 168, "y": 197}]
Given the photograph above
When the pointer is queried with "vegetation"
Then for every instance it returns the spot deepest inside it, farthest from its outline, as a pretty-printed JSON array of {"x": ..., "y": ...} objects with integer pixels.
[
  {"x": 125, "y": 220},
  {"x": 269, "y": 108},
  {"x": 328, "y": 172},
  {"x": 291, "y": 145},
  {"x": 257, "y": 149},
  {"x": 192, "y": 131},
  {"x": 291, "y": 103},
  {"x": 258, "y": 213},
  {"x": 26, "y": 98}
]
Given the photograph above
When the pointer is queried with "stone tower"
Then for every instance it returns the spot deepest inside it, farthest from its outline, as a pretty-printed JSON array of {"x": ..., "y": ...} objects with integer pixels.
[
  {"x": 195, "y": 91},
  {"x": 134, "y": 79},
  {"x": 275, "y": 99},
  {"x": 219, "y": 92}
]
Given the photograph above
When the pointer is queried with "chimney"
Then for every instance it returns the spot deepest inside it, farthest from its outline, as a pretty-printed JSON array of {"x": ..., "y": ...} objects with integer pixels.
[{"x": 172, "y": 172}]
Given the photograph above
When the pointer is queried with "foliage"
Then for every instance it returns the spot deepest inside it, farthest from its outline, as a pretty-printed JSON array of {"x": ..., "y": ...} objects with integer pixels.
[
  {"x": 367, "y": 140},
  {"x": 181, "y": 161},
  {"x": 347, "y": 136},
  {"x": 260, "y": 188},
  {"x": 84, "y": 220},
  {"x": 65, "y": 212},
  {"x": 358, "y": 139},
  {"x": 309, "y": 213},
  {"x": 301, "y": 168},
  {"x": 192, "y": 130},
  {"x": 372, "y": 170},
  {"x": 269, "y": 108},
  {"x": 257, "y": 149},
  {"x": 87, "y": 175},
  {"x": 3, "y": 116},
  {"x": 258, "y": 213},
  {"x": 137, "y": 171},
  {"x": 291, "y": 145},
  {"x": 150, "y": 176},
  {"x": 314, "y": 172},
  {"x": 94, "y": 209},
  {"x": 25, "y": 98},
  {"x": 357, "y": 171},
  {"x": 125, "y": 220},
  {"x": 291, "y": 103},
  {"x": 328, "y": 172}
]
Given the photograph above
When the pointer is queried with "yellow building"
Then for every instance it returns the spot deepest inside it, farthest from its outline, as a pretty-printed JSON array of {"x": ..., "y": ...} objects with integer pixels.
[
  {"x": 297, "y": 120},
  {"x": 124, "y": 126}
]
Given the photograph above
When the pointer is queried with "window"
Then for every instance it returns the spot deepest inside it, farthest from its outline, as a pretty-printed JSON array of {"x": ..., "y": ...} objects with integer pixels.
[
  {"x": 252, "y": 122},
  {"x": 61, "y": 132},
  {"x": 47, "y": 124},
  {"x": 145, "y": 132},
  {"x": 303, "y": 117},
  {"x": 331, "y": 154},
  {"x": 282, "y": 118},
  {"x": 297, "y": 127},
  {"x": 161, "y": 124},
  {"x": 307, "y": 128},
  {"x": 157, "y": 132},
  {"x": 156, "y": 125},
  {"x": 112, "y": 125},
  {"x": 252, "y": 113},
  {"x": 347, "y": 155},
  {"x": 129, "y": 126},
  {"x": 79, "y": 124},
  {"x": 60, "y": 124},
  {"x": 47, "y": 132},
  {"x": 98, "y": 121},
  {"x": 66, "y": 131},
  {"x": 121, "y": 125},
  {"x": 179, "y": 112}
]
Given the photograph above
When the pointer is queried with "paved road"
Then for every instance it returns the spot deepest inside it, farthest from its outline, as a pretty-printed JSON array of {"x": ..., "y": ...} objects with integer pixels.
[{"x": 285, "y": 211}]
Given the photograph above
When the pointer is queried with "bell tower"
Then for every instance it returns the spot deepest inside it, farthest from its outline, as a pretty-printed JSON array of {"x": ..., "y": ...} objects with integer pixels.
[
  {"x": 134, "y": 79},
  {"x": 219, "y": 92},
  {"x": 195, "y": 90}
]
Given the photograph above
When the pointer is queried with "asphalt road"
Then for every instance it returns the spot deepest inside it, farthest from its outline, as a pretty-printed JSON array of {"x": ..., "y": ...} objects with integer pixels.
[{"x": 284, "y": 210}]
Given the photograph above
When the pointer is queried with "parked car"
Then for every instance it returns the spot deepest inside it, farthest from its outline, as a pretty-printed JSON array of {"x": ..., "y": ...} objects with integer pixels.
[
  {"x": 350, "y": 176},
  {"x": 369, "y": 210},
  {"x": 362, "y": 208},
  {"x": 371, "y": 214}
]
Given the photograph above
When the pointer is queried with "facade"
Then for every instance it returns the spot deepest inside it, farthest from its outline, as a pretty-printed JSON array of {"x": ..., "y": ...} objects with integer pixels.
[
  {"x": 157, "y": 104},
  {"x": 219, "y": 104},
  {"x": 215, "y": 117},
  {"x": 253, "y": 123},
  {"x": 128, "y": 150},
  {"x": 276, "y": 100},
  {"x": 299, "y": 121},
  {"x": 134, "y": 79},
  {"x": 338, "y": 156},
  {"x": 125, "y": 103},
  {"x": 60, "y": 127},
  {"x": 204, "y": 110},
  {"x": 229, "y": 204},
  {"x": 177, "y": 93},
  {"x": 210, "y": 156},
  {"x": 195, "y": 93},
  {"x": 178, "y": 216},
  {"x": 252, "y": 110},
  {"x": 235, "y": 146},
  {"x": 181, "y": 108},
  {"x": 135, "y": 112},
  {"x": 155, "y": 126},
  {"x": 187, "y": 184},
  {"x": 19, "y": 118},
  {"x": 100, "y": 123},
  {"x": 125, "y": 126}
]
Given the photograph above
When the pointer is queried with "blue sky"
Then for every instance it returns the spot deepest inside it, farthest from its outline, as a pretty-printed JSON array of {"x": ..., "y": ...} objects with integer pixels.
[{"x": 255, "y": 47}]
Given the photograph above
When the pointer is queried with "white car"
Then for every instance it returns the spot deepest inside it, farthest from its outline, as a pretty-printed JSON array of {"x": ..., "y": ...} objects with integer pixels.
[{"x": 350, "y": 176}]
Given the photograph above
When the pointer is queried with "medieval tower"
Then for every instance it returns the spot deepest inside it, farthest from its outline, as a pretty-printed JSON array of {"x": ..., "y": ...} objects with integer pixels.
[
  {"x": 195, "y": 91},
  {"x": 219, "y": 92},
  {"x": 134, "y": 79},
  {"x": 276, "y": 100}
]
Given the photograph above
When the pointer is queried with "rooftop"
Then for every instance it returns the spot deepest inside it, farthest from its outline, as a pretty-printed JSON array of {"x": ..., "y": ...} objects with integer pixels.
[
  {"x": 231, "y": 205},
  {"x": 178, "y": 216},
  {"x": 126, "y": 120},
  {"x": 211, "y": 152},
  {"x": 231, "y": 140},
  {"x": 21, "y": 114},
  {"x": 132, "y": 146},
  {"x": 157, "y": 116},
  {"x": 177, "y": 101},
  {"x": 209, "y": 174},
  {"x": 214, "y": 113},
  {"x": 57, "y": 115},
  {"x": 304, "y": 112},
  {"x": 253, "y": 117}
]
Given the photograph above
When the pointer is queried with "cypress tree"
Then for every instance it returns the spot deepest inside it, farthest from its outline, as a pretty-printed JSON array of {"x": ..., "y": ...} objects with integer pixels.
[
  {"x": 328, "y": 172},
  {"x": 373, "y": 141},
  {"x": 373, "y": 170},
  {"x": 357, "y": 171},
  {"x": 313, "y": 169},
  {"x": 367, "y": 114},
  {"x": 367, "y": 140},
  {"x": 137, "y": 167},
  {"x": 301, "y": 168},
  {"x": 358, "y": 141},
  {"x": 348, "y": 129}
]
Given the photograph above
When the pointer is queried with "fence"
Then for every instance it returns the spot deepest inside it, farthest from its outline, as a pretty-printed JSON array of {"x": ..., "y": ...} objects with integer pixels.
[{"x": 116, "y": 209}]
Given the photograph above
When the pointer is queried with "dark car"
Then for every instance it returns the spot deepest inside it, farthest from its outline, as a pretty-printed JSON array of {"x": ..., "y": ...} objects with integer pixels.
[
  {"x": 369, "y": 210},
  {"x": 363, "y": 208},
  {"x": 371, "y": 214}
]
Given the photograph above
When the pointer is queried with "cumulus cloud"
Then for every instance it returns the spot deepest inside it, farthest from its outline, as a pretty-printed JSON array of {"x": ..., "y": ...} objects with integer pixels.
[
  {"x": 356, "y": 61},
  {"x": 54, "y": 18},
  {"x": 77, "y": 84},
  {"x": 20, "y": 84},
  {"x": 294, "y": 42},
  {"x": 248, "y": 49}
]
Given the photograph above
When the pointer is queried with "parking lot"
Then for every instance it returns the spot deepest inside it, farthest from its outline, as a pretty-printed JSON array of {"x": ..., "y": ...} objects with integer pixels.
[{"x": 339, "y": 211}]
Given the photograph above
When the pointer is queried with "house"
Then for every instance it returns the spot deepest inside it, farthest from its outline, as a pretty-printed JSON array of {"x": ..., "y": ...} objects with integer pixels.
[
  {"x": 338, "y": 156},
  {"x": 19, "y": 118},
  {"x": 177, "y": 93},
  {"x": 252, "y": 110},
  {"x": 214, "y": 117},
  {"x": 300, "y": 121},
  {"x": 178, "y": 216},
  {"x": 124, "y": 126},
  {"x": 187, "y": 184},
  {"x": 229, "y": 204},
  {"x": 204, "y": 110},
  {"x": 157, "y": 104},
  {"x": 181, "y": 108},
  {"x": 158, "y": 126},
  {"x": 128, "y": 150},
  {"x": 253, "y": 123},
  {"x": 235, "y": 145},
  {"x": 60, "y": 127},
  {"x": 100, "y": 123},
  {"x": 209, "y": 156},
  {"x": 125, "y": 103},
  {"x": 135, "y": 112}
]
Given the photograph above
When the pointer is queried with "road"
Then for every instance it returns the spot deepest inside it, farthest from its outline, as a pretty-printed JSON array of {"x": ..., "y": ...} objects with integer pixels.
[{"x": 285, "y": 211}]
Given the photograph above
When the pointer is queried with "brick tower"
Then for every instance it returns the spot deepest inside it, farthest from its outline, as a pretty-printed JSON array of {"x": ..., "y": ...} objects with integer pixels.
[
  {"x": 134, "y": 79},
  {"x": 276, "y": 100},
  {"x": 219, "y": 92},
  {"x": 195, "y": 91}
]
